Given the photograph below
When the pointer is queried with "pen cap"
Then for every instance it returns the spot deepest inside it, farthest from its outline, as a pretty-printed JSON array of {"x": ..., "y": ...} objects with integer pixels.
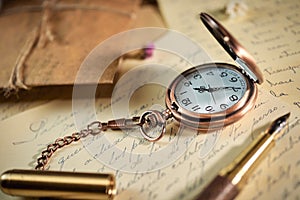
[
  {"x": 56, "y": 184},
  {"x": 231, "y": 45}
]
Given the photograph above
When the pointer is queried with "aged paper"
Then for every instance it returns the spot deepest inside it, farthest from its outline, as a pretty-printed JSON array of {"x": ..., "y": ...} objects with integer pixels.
[
  {"x": 53, "y": 38},
  {"x": 147, "y": 15},
  {"x": 27, "y": 134},
  {"x": 27, "y": 100}
]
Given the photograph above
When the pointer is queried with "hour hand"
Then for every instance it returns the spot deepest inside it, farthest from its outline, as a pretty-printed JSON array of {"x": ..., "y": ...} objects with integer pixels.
[{"x": 201, "y": 89}]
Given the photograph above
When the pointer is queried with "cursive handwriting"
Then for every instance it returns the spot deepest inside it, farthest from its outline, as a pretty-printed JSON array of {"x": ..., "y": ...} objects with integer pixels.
[
  {"x": 273, "y": 84},
  {"x": 293, "y": 141},
  {"x": 273, "y": 93},
  {"x": 256, "y": 120},
  {"x": 259, "y": 104},
  {"x": 286, "y": 53},
  {"x": 62, "y": 160},
  {"x": 283, "y": 173},
  {"x": 266, "y": 40},
  {"x": 293, "y": 69},
  {"x": 237, "y": 131}
]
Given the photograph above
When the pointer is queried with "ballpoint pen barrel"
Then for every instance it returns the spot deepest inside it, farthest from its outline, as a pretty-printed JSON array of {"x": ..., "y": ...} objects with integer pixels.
[
  {"x": 231, "y": 179},
  {"x": 240, "y": 169},
  {"x": 220, "y": 188},
  {"x": 56, "y": 184}
]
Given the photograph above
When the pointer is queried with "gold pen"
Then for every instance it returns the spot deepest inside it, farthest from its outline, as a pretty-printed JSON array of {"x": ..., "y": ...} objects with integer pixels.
[
  {"x": 230, "y": 181},
  {"x": 58, "y": 184}
]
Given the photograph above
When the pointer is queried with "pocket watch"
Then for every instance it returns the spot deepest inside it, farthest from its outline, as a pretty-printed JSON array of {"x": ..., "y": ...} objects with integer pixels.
[
  {"x": 206, "y": 97},
  {"x": 213, "y": 95}
]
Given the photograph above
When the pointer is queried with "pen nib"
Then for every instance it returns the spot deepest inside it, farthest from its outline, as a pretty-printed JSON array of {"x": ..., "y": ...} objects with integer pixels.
[{"x": 278, "y": 124}]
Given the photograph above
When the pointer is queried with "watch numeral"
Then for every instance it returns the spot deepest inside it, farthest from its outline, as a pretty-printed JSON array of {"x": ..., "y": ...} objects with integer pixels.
[
  {"x": 196, "y": 107},
  {"x": 210, "y": 73},
  {"x": 186, "y": 101},
  {"x": 223, "y": 74},
  {"x": 233, "y": 97},
  {"x": 197, "y": 76},
  {"x": 233, "y": 79},
  {"x": 182, "y": 93},
  {"x": 187, "y": 83},
  {"x": 235, "y": 89},
  {"x": 209, "y": 108},
  {"x": 223, "y": 106}
]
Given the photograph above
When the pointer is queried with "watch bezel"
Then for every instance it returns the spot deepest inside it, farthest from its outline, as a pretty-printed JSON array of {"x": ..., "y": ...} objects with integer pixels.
[{"x": 211, "y": 121}]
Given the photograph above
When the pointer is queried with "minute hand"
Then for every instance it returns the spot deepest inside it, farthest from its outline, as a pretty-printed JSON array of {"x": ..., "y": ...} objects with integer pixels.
[
  {"x": 223, "y": 88},
  {"x": 203, "y": 89}
]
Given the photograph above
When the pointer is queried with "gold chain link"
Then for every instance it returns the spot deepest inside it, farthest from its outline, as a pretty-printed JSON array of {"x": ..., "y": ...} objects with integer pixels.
[{"x": 93, "y": 128}]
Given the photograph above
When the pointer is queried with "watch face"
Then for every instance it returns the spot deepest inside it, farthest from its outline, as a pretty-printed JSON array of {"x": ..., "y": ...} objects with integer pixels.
[
  {"x": 209, "y": 89},
  {"x": 210, "y": 96}
]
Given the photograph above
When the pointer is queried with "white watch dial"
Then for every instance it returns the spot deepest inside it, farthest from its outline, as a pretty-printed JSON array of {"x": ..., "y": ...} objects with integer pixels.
[{"x": 210, "y": 89}]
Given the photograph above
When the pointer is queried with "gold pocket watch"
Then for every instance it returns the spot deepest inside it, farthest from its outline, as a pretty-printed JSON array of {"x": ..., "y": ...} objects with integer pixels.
[
  {"x": 205, "y": 97},
  {"x": 214, "y": 95},
  {"x": 209, "y": 96}
]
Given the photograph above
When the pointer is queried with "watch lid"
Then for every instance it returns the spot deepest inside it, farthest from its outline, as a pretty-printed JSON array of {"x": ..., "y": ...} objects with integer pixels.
[{"x": 233, "y": 47}]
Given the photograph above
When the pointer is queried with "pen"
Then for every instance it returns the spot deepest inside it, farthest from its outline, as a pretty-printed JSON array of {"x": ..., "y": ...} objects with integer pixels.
[
  {"x": 58, "y": 184},
  {"x": 230, "y": 181}
]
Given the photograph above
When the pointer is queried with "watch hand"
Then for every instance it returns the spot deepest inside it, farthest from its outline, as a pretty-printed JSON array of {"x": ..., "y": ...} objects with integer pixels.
[
  {"x": 221, "y": 88},
  {"x": 233, "y": 88},
  {"x": 209, "y": 90},
  {"x": 201, "y": 89}
]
